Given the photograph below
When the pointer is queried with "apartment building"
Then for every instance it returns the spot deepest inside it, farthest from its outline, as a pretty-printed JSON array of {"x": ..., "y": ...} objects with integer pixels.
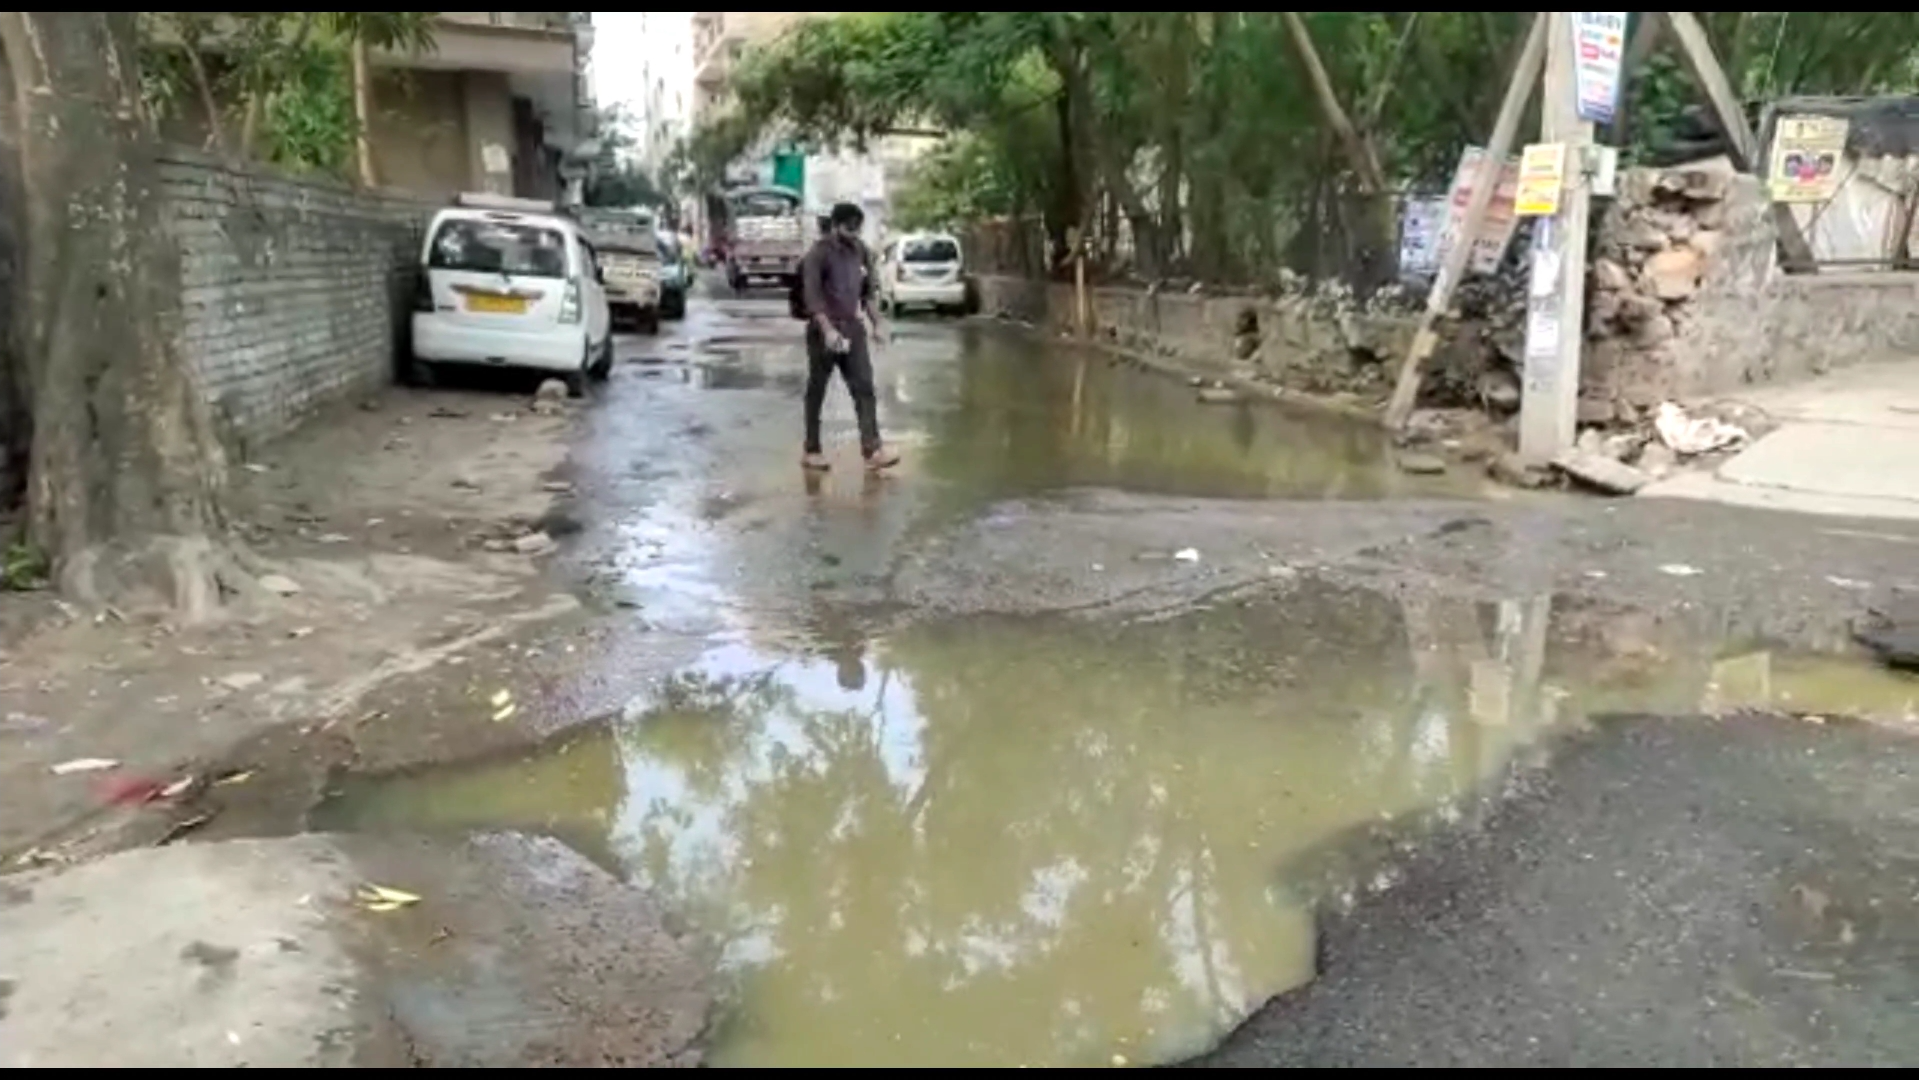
[
  {"x": 492, "y": 107},
  {"x": 719, "y": 37},
  {"x": 664, "y": 98}
]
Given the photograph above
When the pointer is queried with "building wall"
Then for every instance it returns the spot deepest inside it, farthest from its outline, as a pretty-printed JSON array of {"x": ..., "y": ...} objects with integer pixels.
[
  {"x": 419, "y": 132},
  {"x": 295, "y": 293}
]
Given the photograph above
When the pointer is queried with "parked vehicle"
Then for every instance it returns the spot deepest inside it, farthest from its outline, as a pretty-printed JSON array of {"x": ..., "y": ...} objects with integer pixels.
[
  {"x": 925, "y": 270},
  {"x": 765, "y": 237},
  {"x": 676, "y": 277},
  {"x": 629, "y": 252},
  {"x": 510, "y": 283}
]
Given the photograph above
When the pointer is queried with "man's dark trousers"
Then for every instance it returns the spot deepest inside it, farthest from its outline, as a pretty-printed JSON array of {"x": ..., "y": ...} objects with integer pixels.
[{"x": 855, "y": 365}]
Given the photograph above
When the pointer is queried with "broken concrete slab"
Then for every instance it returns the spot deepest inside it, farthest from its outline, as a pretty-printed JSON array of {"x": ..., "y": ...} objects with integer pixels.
[
  {"x": 254, "y": 953},
  {"x": 1601, "y": 472}
]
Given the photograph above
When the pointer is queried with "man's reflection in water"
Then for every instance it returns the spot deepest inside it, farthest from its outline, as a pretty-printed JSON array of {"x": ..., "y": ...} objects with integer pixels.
[{"x": 850, "y": 662}]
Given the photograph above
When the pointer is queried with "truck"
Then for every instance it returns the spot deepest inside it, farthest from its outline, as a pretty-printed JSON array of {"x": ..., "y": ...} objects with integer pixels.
[
  {"x": 629, "y": 256},
  {"x": 766, "y": 236}
]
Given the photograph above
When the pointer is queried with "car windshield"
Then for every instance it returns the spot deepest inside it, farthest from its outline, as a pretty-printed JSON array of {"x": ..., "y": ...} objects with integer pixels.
[
  {"x": 763, "y": 204},
  {"x": 932, "y": 250},
  {"x": 499, "y": 247}
]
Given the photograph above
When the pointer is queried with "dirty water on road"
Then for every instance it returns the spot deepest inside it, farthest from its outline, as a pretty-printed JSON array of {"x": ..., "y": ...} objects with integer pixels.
[
  {"x": 993, "y": 842},
  {"x": 999, "y": 841}
]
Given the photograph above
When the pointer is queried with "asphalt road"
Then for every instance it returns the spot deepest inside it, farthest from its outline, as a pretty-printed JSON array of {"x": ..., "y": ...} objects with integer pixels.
[{"x": 1675, "y": 892}]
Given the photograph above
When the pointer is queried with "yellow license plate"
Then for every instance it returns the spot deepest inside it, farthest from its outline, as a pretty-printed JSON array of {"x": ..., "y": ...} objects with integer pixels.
[{"x": 496, "y": 305}]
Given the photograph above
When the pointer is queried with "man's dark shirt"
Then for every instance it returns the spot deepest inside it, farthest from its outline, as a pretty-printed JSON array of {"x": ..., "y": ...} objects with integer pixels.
[{"x": 835, "y": 282}]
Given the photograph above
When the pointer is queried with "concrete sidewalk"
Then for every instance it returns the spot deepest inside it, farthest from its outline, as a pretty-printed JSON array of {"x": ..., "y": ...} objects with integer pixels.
[{"x": 1848, "y": 444}]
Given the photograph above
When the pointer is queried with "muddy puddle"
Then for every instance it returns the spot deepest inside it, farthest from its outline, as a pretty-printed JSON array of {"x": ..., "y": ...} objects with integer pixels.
[
  {"x": 1049, "y": 843},
  {"x": 989, "y": 412}
]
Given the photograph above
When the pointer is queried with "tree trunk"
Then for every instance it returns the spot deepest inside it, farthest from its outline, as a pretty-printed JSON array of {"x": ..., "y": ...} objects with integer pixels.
[
  {"x": 126, "y": 475},
  {"x": 1358, "y": 148},
  {"x": 1379, "y": 228},
  {"x": 216, "y": 128},
  {"x": 1071, "y": 194},
  {"x": 363, "y": 114}
]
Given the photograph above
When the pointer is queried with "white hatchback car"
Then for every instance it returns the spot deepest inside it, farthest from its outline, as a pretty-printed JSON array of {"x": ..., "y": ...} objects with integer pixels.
[
  {"x": 510, "y": 283},
  {"x": 923, "y": 270}
]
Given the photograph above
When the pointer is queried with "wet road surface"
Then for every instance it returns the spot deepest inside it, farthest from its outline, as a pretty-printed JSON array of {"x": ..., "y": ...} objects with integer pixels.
[{"x": 990, "y": 839}]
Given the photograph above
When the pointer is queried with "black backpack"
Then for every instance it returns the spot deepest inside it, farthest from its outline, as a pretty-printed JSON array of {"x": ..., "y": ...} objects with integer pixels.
[{"x": 796, "y": 297}]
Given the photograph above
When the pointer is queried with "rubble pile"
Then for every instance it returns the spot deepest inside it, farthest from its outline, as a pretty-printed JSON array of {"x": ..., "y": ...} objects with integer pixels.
[{"x": 1650, "y": 259}]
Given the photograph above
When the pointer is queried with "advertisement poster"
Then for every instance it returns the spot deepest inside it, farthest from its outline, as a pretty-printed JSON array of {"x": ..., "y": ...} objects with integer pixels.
[
  {"x": 1599, "y": 50},
  {"x": 1420, "y": 235},
  {"x": 1497, "y": 230},
  {"x": 1805, "y": 158},
  {"x": 1542, "y": 173}
]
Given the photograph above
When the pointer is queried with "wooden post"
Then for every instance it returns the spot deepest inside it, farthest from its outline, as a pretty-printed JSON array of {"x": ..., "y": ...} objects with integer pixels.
[
  {"x": 1426, "y": 339},
  {"x": 1556, "y": 304},
  {"x": 1695, "y": 51},
  {"x": 1645, "y": 37},
  {"x": 1082, "y": 314}
]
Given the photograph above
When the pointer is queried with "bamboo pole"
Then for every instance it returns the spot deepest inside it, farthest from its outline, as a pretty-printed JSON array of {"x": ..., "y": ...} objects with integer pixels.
[{"x": 1519, "y": 88}]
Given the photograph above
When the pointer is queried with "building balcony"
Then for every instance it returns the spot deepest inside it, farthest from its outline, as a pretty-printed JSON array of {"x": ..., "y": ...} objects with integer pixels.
[{"x": 515, "y": 42}]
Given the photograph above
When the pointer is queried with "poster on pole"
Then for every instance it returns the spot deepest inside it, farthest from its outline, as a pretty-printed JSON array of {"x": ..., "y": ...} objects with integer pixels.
[
  {"x": 1421, "y": 233},
  {"x": 1542, "y": 174},
  {"x": 1599, "y": 52},
  {"x": 1805, "y": 158},
  {"x": 1496, "y": 231}
]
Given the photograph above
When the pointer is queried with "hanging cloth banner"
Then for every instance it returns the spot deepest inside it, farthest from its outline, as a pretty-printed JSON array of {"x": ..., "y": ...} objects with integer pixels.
[{"x": 1599, "y": 51}]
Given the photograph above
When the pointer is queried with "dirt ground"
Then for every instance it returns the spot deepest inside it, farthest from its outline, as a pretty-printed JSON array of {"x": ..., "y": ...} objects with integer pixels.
[{"x": 396, "y": 572}]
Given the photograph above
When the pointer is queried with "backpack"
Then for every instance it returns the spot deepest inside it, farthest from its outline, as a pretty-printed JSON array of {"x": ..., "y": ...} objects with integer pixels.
[
  {"x": 796, "y": 292},
  {"x": 796, "y": 297}
]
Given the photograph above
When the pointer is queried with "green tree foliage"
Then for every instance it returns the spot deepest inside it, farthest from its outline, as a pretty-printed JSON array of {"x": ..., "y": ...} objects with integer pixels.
[
  {"x": 273, "y": 84},
  {"x": 1202, "y": 142},
  {"x": 616, "y": 178}
]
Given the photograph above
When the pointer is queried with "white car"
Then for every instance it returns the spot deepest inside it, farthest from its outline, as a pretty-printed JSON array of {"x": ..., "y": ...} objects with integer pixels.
[
  {"x": 923, "y": 270},
  {"x": 510, "y": 283}
]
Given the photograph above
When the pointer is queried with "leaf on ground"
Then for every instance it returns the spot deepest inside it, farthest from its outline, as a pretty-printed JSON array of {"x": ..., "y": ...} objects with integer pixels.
[
  {"x": 501, "y": 697},
  {"x": 504, "y": 714}
]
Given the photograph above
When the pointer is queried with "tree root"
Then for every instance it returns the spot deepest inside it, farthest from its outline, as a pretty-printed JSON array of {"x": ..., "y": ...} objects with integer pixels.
[{"x": 189, "y": 579}]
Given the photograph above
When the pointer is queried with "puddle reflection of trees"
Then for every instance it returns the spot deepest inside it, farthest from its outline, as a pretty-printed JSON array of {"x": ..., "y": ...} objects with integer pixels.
[
  {"x": 1033, "y": 842},
  {"x": 991, "y": 842},
  {"x": 1022, "y": 420}
]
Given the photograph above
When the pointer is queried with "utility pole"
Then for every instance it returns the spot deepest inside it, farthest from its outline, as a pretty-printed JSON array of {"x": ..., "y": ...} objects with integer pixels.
[{"x": 1556, "y": 301}]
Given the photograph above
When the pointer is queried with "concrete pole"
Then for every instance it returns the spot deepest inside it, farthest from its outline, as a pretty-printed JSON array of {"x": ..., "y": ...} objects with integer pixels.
[{"x": 1556, "y": 305}]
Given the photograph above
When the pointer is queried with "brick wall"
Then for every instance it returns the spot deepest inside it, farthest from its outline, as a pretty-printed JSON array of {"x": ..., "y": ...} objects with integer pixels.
[{"x": 295, "y": 292}]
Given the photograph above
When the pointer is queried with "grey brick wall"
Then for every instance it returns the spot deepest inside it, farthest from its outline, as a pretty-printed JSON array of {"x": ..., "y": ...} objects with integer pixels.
[{"x": 295, "y": 292}]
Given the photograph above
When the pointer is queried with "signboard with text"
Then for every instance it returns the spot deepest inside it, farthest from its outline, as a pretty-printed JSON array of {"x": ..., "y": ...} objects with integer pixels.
[
  {"x": 1489, "y": 246},
  {"x": 1806, "y": 151},
  {"x": 1599, "y": 51}
]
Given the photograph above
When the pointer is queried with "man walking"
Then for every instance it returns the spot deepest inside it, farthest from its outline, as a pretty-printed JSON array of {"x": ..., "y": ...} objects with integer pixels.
[{"x": 837, "y": 291}]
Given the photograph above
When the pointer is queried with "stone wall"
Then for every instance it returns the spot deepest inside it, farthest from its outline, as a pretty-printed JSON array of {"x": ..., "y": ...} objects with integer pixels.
[
  {"x": 1314, "y": 340},
  {"x": 295, "y": 292},
  {"x": 1686, "y": 298}
]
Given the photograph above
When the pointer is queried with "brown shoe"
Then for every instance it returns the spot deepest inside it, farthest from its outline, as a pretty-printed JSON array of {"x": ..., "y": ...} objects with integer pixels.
[
  {"x": 884, "y": 458},
  {"x": 815, "y": 462}
]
